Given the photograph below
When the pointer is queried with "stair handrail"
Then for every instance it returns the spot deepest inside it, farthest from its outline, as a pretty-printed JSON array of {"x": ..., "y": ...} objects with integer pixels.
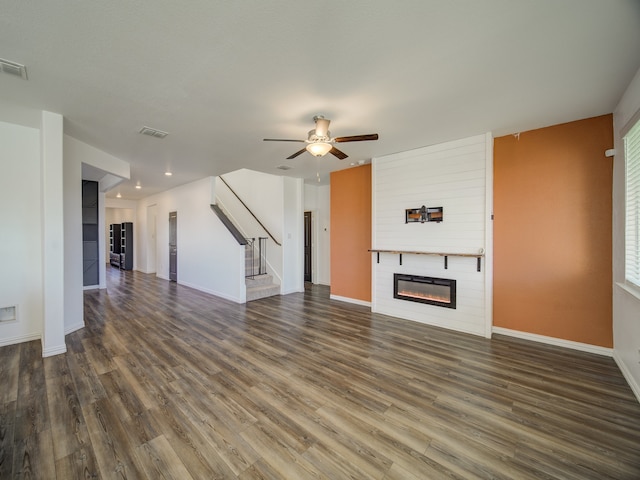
[
  {"x": 249, "y": 210},
  {"x": 226, "y": 221}
]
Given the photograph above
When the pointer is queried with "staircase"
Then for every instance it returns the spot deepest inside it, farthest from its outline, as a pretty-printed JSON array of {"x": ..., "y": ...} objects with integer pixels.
[
  {"x": 258, "y": 283},
  {"x": 258, "y": 286}
]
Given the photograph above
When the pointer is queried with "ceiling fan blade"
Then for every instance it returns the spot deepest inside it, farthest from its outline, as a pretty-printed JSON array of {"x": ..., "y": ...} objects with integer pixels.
[
  {"x": 338, "y": 153},
  {"x": 299, "y": 152},
  {"x": 280, "y": 140},
  {"x": 356, "y": 138}
]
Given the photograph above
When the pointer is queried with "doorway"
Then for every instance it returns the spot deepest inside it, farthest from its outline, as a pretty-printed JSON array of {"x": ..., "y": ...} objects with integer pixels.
[
  {"x": 307, "y": 247},
  {"x": 173, "y": 246}
]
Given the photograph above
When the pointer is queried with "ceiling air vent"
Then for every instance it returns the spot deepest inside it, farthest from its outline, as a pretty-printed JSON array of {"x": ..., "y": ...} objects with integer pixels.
[
  {"x": 13, "y": 68},
  {"x": 152, "y": 132},
  {"x": 284, "y": 167}
]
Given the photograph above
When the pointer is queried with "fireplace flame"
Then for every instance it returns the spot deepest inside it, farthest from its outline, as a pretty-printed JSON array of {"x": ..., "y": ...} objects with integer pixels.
[
  {"x": 435, "y": 291},
  {"x": 425, "y": 296}
]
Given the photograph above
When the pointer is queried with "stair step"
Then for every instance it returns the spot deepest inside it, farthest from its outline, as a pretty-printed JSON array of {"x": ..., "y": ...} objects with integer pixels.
[
  {"x": 259, "y": 280},
  {"x": 261, "y": 286},
  {"x": 262, "y": 291}
]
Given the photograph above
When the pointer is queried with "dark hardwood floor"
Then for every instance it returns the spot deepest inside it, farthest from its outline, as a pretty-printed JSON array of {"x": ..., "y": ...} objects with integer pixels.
[{"x": 168, "y": 382}]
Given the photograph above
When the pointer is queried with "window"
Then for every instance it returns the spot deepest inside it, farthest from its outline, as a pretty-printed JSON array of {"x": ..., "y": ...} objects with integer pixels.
[{"x": 632, "y": 230}]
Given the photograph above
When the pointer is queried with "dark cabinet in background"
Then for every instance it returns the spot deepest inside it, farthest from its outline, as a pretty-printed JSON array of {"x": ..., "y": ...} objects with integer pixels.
[
  {"x": 126, "y": 246},
  {"x": 114, "y": 244},
  {"x": 173, "y": 246},
  {"x": 90, "y": 263},
  {"x": 121, "y": 245}
]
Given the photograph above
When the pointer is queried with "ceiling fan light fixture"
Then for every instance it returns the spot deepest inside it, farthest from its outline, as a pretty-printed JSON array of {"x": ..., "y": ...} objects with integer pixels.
[
  {"x": 319, "y": 149},
  {"x": 320, "y": 142}
]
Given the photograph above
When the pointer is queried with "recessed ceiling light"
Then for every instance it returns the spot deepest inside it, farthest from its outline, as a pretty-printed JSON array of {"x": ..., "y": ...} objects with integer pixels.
[
  {"x": 138, "y": 187},
  {"x": 118, "y": 195},
  {"x": 168, "y": 174}
]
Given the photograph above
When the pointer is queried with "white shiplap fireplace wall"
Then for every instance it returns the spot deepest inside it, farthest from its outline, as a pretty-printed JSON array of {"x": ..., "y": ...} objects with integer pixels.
[{"x": 457, "y": 176}]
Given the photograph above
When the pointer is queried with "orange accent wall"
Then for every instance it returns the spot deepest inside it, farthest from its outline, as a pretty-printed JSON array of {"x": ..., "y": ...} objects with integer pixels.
[
  {"x": 351, "y": 233},
  {"x": 552, "y": 231}
]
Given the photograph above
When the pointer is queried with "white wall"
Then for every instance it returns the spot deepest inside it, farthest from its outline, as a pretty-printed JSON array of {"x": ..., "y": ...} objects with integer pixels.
[
  {"x": 53, "y": 230},
  {"x": 144, "y": 230},
  {"x": 452, "y": 175},
  {"x": 152, "y": 247},
  {"x": 73, "y": 265},
  {"x": 141, "y": 235},
  {"x": 96, "y": 158},
  {"x": 21, "y": 233},
  {"x": 293, "y": 234},
  {"x": 626, "y": 305},
  {"x": 317, "y": 200},
  {"x": 209, "y": 259}
]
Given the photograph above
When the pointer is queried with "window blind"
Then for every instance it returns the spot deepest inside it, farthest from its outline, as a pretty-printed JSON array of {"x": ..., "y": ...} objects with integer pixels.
[{"x": 632, "y": 230}]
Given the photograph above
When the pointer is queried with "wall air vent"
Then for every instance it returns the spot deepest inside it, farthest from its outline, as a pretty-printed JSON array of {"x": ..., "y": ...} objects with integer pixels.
[
  {"x": 152, "y": 132},
  {"x": 8, "y": 314},
  {"x": 284, "y": 167},
  {"x": 13, "y": 68}
]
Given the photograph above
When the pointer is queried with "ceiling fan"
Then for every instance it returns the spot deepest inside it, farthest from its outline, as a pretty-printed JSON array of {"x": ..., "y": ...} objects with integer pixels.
[{"x": 319, "y": 141}]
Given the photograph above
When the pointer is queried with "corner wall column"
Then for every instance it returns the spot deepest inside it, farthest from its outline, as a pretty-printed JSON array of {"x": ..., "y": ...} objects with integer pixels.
[{"x": 51, "y": 157}]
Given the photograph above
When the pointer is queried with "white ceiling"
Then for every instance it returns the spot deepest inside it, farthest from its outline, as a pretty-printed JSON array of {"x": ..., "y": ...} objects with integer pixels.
[{"x": 220, "y": 76}]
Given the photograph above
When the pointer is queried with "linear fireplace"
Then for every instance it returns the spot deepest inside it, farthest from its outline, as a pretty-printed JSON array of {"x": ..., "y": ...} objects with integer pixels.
[{"x": 434, "y": 291}]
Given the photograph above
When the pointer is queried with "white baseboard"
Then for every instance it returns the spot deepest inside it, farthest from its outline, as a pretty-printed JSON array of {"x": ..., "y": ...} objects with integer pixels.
[
  {"x": 144, "y": 271},
  {"x": 20, "y": 339},
  {"x": 91, "y": 287},
  {"x": 73, "y": 328},
  {"x": 57, "y": 350},
  {"x": 558, "y": 342},
  {"x": 626, "y": 373},
  {"x": 292, "y": 290},
  {"x": 350, "y": 300}
]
